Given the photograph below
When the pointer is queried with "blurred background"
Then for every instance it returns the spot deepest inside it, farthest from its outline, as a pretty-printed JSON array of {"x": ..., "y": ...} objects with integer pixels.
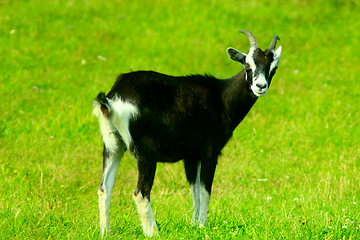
[{"x": 290, "y": 171}]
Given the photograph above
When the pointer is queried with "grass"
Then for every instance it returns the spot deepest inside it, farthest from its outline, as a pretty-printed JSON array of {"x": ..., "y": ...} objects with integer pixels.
[{"x": 291, "y": 171}]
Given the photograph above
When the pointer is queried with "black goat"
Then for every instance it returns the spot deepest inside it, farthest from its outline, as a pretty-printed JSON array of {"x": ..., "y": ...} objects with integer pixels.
[{"x": 160, "y": 118}]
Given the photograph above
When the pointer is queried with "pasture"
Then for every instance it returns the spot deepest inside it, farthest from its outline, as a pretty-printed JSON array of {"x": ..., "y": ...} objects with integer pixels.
[{"x": 291, "y": 170}]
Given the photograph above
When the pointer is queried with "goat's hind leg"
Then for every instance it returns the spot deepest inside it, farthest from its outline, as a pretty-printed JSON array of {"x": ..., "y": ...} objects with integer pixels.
[
  {"x": 113, "y": 151},
  {"x": 146, "y": 174}
]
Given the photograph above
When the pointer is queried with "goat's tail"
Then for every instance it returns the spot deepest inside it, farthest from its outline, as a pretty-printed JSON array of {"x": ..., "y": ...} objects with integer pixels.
[
  {"x": 101, "y": 106},
  {"x": 102, "y": 110},
  {"x": 114, "y": 115}
]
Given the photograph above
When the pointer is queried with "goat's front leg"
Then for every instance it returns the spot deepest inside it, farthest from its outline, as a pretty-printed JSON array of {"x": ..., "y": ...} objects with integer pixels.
[
  {"x": 192, "y": 171},
  {"x": 146, "y": 174},
  {"x": 206, "y": 179},
  {"x": 111, "y": 161}
]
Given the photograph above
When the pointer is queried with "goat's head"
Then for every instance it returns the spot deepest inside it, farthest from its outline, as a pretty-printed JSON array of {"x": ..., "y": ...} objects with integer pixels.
[{"x": 263, "y": 64}]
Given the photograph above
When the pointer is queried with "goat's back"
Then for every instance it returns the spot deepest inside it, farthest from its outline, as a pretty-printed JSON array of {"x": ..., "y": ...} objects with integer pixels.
[{"x": 179, "y": 117}]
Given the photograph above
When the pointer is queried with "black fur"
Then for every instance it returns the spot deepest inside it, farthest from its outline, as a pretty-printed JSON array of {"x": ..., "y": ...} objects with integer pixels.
[{"x": 189, "y": 118}]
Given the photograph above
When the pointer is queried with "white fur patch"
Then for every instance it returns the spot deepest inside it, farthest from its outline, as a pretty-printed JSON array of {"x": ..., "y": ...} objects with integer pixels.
[
  {"x": 195, "y": 192},
  {"x": 250, "y": 59},
  {"x": 204, "y": 206},
  {"x": 122, "y": 113},
  {"x": 108, "y": 180},
  {"x": 104, "y": 207},
  {"x": 107, "y": 128},
  {"x": 277, "y": 55},
  {"x": 201, "y": 199},
  {"x": 262, "y": 81},
  {"x": 146, "y": 215}
]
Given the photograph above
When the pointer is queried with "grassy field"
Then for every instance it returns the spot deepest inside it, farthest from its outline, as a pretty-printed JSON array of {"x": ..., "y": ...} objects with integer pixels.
[{"x": 291, "y": 171}]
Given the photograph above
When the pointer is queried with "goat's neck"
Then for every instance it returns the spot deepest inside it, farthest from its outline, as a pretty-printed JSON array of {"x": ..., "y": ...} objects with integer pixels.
[{"x": 238, "y": 98}]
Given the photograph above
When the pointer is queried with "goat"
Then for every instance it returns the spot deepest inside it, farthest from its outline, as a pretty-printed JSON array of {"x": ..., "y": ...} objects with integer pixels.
[{"x": 161, "y": 118}]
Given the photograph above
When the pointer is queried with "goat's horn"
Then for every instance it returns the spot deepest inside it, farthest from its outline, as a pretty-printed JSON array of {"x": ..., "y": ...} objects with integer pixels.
[
  {"x": 251, "y": 37},
  {"x": 273, "y": 42}
]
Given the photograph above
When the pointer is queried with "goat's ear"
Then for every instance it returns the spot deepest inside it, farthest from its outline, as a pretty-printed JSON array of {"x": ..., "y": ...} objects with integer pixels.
[
  {"x": 236, "y": 55},
  {"x": 278, "y": 53}
]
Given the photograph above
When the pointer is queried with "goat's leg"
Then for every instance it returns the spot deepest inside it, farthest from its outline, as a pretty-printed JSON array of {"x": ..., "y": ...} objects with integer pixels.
[
  {"x": 111, "y": 161},
  {"x": 192, "y": 171},
  {"x": 146, "y": 174},
  {"x": 206, "y": 179}
]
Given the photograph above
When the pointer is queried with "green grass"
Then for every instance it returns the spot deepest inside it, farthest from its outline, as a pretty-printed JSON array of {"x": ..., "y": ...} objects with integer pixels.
[{"x": 303, "y": 136}]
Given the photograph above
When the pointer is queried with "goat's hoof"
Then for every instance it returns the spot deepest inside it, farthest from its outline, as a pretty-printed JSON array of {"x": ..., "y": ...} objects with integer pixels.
[
  {"x": 151, "y": 231},
  {"x": 104, "y": 232}
]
